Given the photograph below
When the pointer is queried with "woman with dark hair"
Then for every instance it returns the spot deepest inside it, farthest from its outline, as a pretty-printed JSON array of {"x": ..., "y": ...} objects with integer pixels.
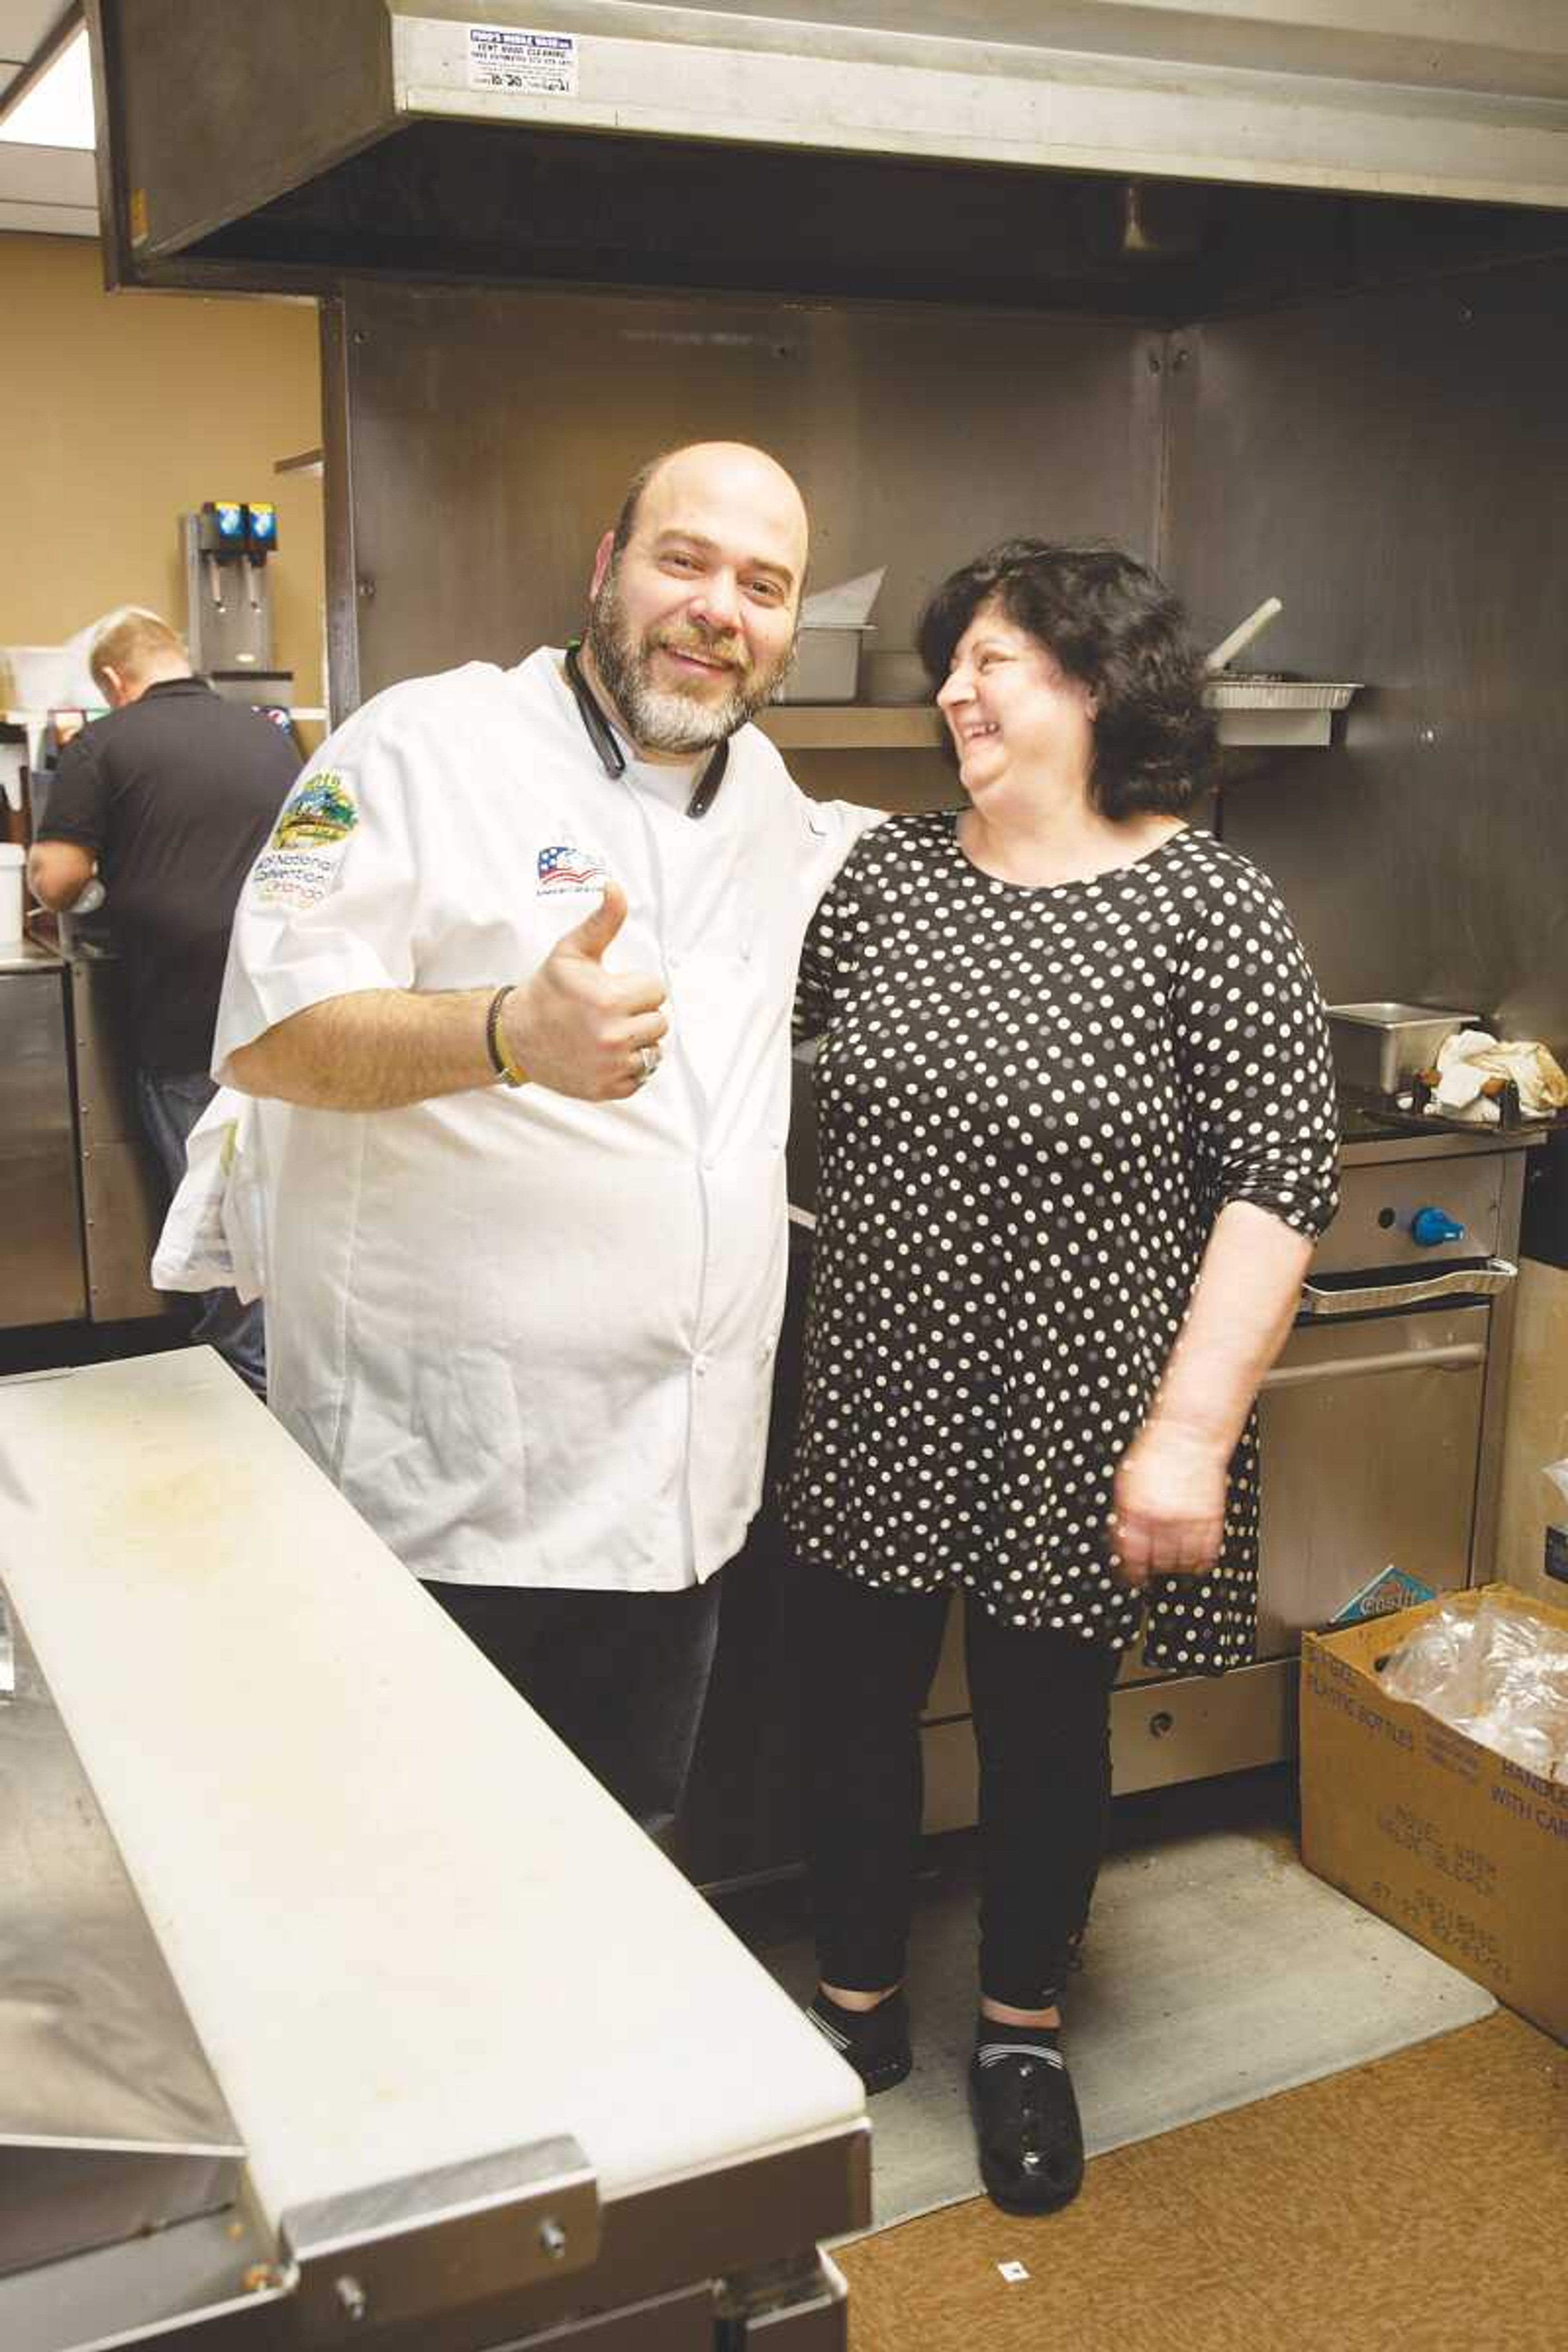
[{"x": 1076, "y": 1139}]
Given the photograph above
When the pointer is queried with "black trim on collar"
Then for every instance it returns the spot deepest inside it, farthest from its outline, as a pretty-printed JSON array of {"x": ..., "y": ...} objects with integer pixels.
[{"x": 613, "y": 760}]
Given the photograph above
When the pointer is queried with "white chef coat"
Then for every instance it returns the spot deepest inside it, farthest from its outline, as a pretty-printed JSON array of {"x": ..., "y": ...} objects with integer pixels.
[{"x": 531, "y": 1338}]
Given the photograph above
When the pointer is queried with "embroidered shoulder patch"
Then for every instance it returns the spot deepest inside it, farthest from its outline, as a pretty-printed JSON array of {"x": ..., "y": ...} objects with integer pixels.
[
  {"x": 300, "y": 862},
  {"x": 317, "y": 812}
]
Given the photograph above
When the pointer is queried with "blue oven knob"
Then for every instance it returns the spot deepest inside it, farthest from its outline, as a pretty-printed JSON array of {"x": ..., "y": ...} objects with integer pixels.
[{"x": 1430, "y": 1226}]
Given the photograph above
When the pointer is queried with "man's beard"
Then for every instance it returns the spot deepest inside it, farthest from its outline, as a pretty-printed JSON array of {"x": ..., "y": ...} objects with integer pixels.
[{"x": 671, "y": 721}]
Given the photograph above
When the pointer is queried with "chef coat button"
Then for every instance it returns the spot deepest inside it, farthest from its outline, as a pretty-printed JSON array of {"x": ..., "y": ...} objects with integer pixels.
[{"x": 699, "y": 1365}]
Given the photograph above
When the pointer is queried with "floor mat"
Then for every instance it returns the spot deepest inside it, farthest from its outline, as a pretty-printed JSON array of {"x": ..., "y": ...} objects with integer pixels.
[{"x": 1217, "y": 1970}]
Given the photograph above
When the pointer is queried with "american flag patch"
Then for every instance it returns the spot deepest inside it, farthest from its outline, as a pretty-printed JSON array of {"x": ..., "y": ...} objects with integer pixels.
[{"x": 566, "y": 868}]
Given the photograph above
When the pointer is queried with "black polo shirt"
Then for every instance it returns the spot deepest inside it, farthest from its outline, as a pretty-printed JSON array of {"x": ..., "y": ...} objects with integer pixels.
[{"x": 175, "y": 795}]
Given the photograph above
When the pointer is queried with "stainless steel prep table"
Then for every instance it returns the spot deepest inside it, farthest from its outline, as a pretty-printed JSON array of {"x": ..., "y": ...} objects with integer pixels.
[
  {"x": 496, "y": 2068},
  {"x": 42, "y": 1279},
  {"x": 80, "y": 1205}
]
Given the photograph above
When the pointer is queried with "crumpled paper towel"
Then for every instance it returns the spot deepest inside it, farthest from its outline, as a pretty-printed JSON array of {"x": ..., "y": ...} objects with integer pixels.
[{"x": 1470, "y": 1056}]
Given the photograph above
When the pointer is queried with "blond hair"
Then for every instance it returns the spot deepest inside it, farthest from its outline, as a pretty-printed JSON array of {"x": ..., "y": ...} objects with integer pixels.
[{"x": 130, "y": 643}]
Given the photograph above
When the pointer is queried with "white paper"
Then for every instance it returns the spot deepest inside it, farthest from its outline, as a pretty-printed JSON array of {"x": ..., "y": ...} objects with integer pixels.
[{"x": 846, "y": 607}]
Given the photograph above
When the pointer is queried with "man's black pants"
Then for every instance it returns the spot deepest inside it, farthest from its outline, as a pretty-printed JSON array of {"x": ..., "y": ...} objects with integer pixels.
[{"x": 619, "y": 1677}]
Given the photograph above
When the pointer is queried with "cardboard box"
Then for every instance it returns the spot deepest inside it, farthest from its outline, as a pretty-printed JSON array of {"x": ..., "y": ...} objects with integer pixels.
[{"x": 1464, "y": 1850}]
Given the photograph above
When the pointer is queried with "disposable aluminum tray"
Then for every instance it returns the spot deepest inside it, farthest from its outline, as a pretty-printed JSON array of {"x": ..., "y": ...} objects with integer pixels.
[
  {"x": 1399, "y": 1292},
  {"x": 1278, "y": 694}
]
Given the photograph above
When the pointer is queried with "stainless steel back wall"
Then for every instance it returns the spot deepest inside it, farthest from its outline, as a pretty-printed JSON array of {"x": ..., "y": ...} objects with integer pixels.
[
  {"x": 1393, "y": 468},
  {"x": 484, "y": 440}
]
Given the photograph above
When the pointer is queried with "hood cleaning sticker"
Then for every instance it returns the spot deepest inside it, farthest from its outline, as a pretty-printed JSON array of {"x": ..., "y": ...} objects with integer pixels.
[{"x": 518, "y": 63}]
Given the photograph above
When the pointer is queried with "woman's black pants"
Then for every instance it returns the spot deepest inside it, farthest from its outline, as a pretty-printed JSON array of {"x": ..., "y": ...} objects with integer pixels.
[{"x": 1041, "y": 1706}]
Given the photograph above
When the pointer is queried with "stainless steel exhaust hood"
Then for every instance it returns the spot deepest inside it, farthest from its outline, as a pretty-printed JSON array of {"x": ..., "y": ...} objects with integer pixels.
[{"x": 464, "y": 138}]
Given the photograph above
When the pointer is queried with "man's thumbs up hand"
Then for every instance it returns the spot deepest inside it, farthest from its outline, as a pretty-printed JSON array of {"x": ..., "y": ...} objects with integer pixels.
[
  {"x": 582, "y": 1030},
  {"x": 595, "y": 932}
]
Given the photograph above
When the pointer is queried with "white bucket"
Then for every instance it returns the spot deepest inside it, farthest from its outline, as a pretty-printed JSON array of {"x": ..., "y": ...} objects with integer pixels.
[{"x": 13, "y": 892}]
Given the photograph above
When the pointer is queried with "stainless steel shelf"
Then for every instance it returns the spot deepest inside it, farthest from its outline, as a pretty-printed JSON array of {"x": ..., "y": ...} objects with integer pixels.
[
  {"x": 916, "y": 727},
  {"x": 852, "y": 726}
]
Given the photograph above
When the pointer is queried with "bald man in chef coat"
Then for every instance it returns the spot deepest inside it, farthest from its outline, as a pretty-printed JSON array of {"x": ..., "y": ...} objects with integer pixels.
[{"x": 520, "y": 954}]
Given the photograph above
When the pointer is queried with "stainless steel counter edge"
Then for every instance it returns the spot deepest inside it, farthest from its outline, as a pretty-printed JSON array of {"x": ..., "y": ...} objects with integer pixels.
[
  {"x": 1443, "y": 1143},
  {"x": 218, "y": 2280},
  {"x": 30, "y": 956}
]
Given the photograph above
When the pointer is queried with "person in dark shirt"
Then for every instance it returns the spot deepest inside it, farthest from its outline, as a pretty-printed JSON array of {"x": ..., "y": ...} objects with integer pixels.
[{"x": 169, "y": 799}]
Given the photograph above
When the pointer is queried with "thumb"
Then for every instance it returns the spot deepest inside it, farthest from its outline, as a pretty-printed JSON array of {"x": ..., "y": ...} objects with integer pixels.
[{"x": 595, "y": 932}]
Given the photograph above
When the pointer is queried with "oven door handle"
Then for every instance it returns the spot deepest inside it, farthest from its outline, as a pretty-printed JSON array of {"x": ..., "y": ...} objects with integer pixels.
[
  {"x": 1387, "y": 1298},
  {"x": 1462, "y": 1356}
]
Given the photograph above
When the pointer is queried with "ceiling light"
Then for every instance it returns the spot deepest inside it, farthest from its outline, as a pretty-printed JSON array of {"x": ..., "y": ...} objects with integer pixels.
[{"x": 55, "y": 110}]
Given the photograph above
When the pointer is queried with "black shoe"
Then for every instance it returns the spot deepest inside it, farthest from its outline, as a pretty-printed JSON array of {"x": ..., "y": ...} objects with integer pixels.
[
  {"x": 874, "y": 2041},
  {"x": 1027, "y": 2123}
]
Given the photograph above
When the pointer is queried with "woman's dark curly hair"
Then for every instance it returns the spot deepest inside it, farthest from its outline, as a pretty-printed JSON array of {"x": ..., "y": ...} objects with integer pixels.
[{"x": 1110, "y": 622}]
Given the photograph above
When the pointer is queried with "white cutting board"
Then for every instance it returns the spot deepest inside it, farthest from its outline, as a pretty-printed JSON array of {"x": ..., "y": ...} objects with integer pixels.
[{"x": 409, "y": 1927}]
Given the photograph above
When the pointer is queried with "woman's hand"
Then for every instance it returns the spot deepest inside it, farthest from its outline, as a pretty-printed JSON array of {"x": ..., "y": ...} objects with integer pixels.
[{"x": 1167, "y": 1505}]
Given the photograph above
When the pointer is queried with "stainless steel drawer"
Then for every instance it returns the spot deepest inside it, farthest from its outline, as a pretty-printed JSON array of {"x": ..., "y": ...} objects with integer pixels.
[
  {"x": 1164, "y": 1729},
  {"x": 1186, "y": 1727}
]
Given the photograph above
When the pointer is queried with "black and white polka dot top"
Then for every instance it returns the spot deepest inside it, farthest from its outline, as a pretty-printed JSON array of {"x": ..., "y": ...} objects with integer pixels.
[{"x": 1032, "y": 1104}]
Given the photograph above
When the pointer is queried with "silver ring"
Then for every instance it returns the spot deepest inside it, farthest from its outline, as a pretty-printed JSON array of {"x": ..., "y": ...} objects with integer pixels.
[{"x": 649, "y": 1057}]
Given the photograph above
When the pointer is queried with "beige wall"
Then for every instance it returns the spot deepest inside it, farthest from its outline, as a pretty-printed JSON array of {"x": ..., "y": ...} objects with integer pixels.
[
  {"x": 119, "y": 414},
  {"x": 1537, "y": 1430}
]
